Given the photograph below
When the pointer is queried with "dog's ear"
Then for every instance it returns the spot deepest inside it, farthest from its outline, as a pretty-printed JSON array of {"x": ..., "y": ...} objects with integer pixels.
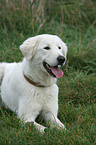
[{"x": 28, "y": 48}]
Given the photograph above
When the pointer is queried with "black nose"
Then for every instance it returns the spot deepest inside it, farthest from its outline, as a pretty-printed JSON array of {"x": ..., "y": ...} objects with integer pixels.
[{"x": 61, "y": 60}]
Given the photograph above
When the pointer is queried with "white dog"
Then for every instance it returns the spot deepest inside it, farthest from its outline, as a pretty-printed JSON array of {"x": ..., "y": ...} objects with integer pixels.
[{"x": 29, "y": 87}]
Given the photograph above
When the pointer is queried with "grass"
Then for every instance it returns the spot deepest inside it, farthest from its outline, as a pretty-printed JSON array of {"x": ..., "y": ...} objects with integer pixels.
[{"x": 75, "y": 23}]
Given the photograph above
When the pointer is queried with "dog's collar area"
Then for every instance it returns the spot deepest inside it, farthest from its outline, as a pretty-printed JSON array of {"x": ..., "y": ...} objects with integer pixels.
[{"x": 32, "y": 83}]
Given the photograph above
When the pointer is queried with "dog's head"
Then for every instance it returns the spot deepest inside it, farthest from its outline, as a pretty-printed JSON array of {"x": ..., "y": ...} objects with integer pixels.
[{"x": 48, "y": 52}]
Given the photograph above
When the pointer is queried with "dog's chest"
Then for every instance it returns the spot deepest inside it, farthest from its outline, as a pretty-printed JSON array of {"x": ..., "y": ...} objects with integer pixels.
[{"x": 44, "y": 96}]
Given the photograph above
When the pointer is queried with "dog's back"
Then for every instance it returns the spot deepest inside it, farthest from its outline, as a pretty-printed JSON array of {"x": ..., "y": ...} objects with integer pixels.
[{"x": 2, "y": 69}]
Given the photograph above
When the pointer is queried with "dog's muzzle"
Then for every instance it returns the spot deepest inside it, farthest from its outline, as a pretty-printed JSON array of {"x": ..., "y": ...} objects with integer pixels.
[{"x": 55, "y": 71}]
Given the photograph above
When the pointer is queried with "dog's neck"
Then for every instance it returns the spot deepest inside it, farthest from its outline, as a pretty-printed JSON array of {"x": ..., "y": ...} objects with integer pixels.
[{"x": 37, "y": 76}]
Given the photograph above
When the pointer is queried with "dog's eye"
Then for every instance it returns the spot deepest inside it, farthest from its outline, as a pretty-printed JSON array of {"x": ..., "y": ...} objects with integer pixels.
[
  {"x": 47, "y": 48},
  {"x": 59, "y": 47}
]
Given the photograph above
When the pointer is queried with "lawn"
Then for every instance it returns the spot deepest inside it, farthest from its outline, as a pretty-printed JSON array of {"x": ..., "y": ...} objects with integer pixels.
[{"x": 75, "y": 23}]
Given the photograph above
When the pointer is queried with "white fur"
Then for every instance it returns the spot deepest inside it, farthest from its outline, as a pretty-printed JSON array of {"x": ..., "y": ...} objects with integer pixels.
[{"x": 27, "y": 100}]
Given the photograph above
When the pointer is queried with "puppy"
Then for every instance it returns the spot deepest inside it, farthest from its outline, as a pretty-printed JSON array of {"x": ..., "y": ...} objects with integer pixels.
[{"x": 29, "y": 87}]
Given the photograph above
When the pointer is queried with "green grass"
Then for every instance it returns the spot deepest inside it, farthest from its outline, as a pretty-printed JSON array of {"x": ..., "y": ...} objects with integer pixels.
[{"x": 75, "y": 23}]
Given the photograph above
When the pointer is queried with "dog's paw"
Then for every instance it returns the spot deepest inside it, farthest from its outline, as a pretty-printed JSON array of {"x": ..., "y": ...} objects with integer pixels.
[
  {"x": 61, "y": 126},
  {"x": 42, "y": 129}
]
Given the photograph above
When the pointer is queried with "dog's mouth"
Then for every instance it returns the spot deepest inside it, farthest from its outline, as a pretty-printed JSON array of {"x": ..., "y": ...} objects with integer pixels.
[{"x": 54, "y": 71}]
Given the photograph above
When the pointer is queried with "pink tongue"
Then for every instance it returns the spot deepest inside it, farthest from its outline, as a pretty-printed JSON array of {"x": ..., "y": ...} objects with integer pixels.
[{"x": 57, "y": 72}]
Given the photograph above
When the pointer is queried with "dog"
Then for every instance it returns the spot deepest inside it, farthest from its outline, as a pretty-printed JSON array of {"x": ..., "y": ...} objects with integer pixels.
[{"x": 29, "y": 87}]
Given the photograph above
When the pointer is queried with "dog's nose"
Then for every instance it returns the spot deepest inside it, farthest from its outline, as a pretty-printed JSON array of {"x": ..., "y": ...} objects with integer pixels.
[{"x": 60, "y": 59}]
